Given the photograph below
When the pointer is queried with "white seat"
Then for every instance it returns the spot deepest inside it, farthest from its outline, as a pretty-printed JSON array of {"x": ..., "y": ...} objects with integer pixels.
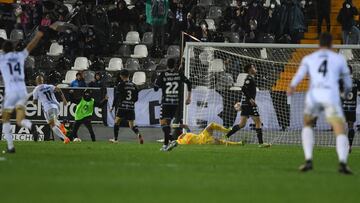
[
  {"x": 70, "y": 76},
  {"x": 263, "y": 53},
  {"x": 216, "y": 65},
  {"x": 55, "y": 49},
  {"x": 206, "y": 56},
  {"x": 62, "y": 85},
  {"x": 3, "y": 34},
  {"x": 211, "y": 24},
  {"x": 140, "y": 51},
  {"x": 115, "y": 64},
  {"x": 70, "y": 8},
  {"x": 239, "y": 81},
  {"x": 139, "y": 78},
  {"x": 132, "y": 37},
  {"x": 81, "y": 63}
]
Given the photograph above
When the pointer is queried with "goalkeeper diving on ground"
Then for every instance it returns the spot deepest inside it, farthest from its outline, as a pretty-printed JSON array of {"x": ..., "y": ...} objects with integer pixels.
[{"x": 206, "y": 136}]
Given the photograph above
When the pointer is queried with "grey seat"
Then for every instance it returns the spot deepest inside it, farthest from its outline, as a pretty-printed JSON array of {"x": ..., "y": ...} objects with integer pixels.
[
  {"x": 132, "y": 64},
  {"x": 16, "y": 35},
  {"x": 215, "y": 12},
  {"x": 173, "y": 51},
  {"x": 125, "y": 50},
  {"x": 89, "y": 76},
  {"x": 147, "y": 38},
  {"x": 232, "y": 36}
]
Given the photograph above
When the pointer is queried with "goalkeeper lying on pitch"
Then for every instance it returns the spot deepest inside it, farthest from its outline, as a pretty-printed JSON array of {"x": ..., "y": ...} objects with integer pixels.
[{"x": 204, "y": 137}]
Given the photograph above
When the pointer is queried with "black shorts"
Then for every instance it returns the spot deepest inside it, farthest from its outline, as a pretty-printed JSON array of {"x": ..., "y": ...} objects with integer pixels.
[
  {"x": 168, "y": 111},
  {"x": 249, "y": 111},
  {"x": 350, "y": 116},
  {"x": 126, "y": 114}
]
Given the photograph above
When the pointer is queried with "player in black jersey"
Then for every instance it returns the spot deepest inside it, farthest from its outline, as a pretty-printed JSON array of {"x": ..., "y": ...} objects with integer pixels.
[
  {"x": 170, "y": 82},
  {"x": 126, "y": 95},
  {"x": 349, "y": 106},
  {"x": 248, "y": 106}
]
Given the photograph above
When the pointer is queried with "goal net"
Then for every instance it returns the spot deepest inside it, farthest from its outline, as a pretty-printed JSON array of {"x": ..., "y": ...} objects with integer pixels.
[{"x": 216, "y": 71}]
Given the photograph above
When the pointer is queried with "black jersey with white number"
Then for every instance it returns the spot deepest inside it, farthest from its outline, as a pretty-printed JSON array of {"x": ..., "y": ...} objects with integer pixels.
[
  {"x": 248, "y": 90},
  {"x": 349, "y": 104},
  {"x": 125, "y": 95},
  {"x": 170, "y": 83}
]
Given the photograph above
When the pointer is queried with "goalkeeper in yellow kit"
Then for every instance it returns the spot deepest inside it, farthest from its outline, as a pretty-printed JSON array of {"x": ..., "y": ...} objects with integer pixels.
[{"x": 204, "y": 137}]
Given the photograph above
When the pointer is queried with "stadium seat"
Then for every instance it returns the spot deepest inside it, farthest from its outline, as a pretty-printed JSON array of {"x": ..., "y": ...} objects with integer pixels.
[
  {"x": 206, "y": 56},
  {"x": 211, "y": 24},
  {"x": 81, "y": 63},
  {"x": 89, "y": 76},
  {"x": 125, "y": 50},
  {"x": 139, "y": 78},
  {"x": 173, "y": 51},
  {"x": 216, "y": 65},
  {"x": 215, "y": 12},
  {"x": 232, "y": 36},
  {"x": 30, "y": 62},
  {"x": 128, "y": 2},
  {"x": 3, "y": 34},
  {"x": 132, "y": 64},
  {"x": 239, "y": 81},
  {"x": 224, "y": 81},
  {"x": 70, "y": 8},
  {"x": 70, "y": 76},
  {"x": 347, "y": 53},
  {"x": 147, "y": 38},
  {"x": 16, "y": 35},
  {"x": 140, "y": 51},
  {"x": 206, "y": 2},
  {"x": 132, "y": 37},
  {"x": 55, "y": 49},
  {"x": 62, "y": 85},
  {"x": 149, "y": 64},
  {"x": 115, "y": 64},
  {"x": 263, "y": 53}
]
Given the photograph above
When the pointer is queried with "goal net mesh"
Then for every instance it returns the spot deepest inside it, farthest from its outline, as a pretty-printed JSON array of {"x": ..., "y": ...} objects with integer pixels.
[{"x": 216, "y": 71}]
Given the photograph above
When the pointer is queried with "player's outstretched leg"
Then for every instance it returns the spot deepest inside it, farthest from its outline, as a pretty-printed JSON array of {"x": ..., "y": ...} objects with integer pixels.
[
  {"x": 351, "y": 134},
  {"x": 58, "y": 132},
  {"x": 167, "y": 130},
  {"x": 135, "y": 129},
  {"x": 236, "y": 128},
  {"x": 8, "y": 137}
]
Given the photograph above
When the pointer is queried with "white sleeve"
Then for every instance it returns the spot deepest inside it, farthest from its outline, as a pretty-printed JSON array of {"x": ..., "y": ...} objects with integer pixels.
[
  {"x": 23, "y": 54},
  {"x": 345, "y": 74},
  {"x": 35, "y": 94},
  {"x": 300, "y": 74}
]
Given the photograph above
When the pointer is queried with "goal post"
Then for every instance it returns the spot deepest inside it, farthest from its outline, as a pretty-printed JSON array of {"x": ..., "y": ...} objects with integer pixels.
[{"x": 216, "y": 71}]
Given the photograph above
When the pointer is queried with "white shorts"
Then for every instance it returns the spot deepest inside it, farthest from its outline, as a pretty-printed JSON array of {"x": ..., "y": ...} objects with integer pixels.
[
  {"x": 15, "y": 99},
  {"x": 332, "y": 109},
  {"x": 51, "y": 114}
]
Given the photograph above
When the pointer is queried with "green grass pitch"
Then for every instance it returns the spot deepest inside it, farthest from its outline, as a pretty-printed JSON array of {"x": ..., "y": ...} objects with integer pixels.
[{"x": 128, "y": 172}]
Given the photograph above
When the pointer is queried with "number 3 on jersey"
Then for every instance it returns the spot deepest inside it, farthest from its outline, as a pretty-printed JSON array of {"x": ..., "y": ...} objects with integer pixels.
[
  {"x": 129, "y": 95},
  {"x": 15, "y": 68},
  {"x": 323, "y": 68},
  {"x": 172, "y": 87}
]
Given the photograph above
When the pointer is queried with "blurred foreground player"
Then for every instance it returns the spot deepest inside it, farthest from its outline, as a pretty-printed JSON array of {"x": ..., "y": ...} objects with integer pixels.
[
  {"x": 126, "y": 95},
  {"x": 170, "y": 82},
  {"x": 13, "y": 73},
  {"x": 325, "y": 69},
  {"x": 349, "y": 104},
  {"x": 46, "y": 95},
  {"x": 206, "y": 136},
  {"x": 249, "y": 107}
]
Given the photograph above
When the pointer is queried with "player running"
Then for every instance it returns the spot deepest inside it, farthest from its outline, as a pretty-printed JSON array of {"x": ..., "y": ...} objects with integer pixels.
[
  {"x": 12, "y": 70},
  {"x": 325, "y": 68},
  {"x": 46, "y": 95},
  {"x": 349, "y": 106},
  {"x": 204, "y": 137},
  {"x": 249, "y": 107},
  {"x": 126, "y": 95},
  {"x": 170, "y": 82}
]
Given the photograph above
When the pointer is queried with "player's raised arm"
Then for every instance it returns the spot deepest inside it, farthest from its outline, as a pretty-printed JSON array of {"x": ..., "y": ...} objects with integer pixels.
[
  {"x": 189, "y": 87},
  {"x": 32, "y": 44},
  {"x": 299, "y": 76}
]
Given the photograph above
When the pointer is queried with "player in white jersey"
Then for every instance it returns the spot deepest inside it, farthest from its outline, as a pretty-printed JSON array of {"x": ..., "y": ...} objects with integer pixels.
[
  {"x": 325, "y": 69},
  {"x": 46, "y": 95},
  {"x": 12, "y": 70}
]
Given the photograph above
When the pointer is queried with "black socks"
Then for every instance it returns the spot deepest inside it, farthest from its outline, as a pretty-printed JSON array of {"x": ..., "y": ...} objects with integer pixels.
[
  {"x": 259, "y": 135},
  {"x": 167, "y": 137},
  {"x": 234, "y": 129}
]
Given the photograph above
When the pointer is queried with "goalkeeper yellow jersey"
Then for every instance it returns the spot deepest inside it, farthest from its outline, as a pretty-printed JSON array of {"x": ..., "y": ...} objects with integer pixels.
[{"x": 190, "y": 138}]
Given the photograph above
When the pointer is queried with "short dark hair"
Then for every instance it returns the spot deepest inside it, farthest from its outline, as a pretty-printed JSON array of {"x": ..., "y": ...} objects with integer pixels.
[
  {"x": 248, "y": 67},
  {"x": 124, "y": 73},
  {"x": 171, "y": 63},
  {"x": 2, "y": 40},
  {"x": 350, "y": 69},
  {"x": 325, "y": 40},
  {"x": 78, "y": 73},
  {"x": 8, "y": 46}
]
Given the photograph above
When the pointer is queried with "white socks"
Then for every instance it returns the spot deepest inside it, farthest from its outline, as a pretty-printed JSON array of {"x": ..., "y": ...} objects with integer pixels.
[
  {"x": 307, "y": 136},
  {"x": 342, "y": 148},
  {"x": 26, "y": 123},
  {"x": 8, "y": 137},
  {"x": 58, "y": 132}
]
